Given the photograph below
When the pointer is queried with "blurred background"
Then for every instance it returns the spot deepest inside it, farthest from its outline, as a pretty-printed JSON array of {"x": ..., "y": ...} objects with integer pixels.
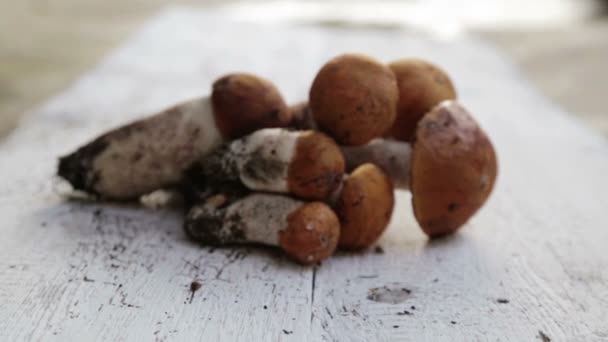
[{"x": 560, "y": 45}]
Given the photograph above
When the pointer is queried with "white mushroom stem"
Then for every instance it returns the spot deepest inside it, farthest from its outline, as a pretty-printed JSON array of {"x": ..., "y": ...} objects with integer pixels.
[
  {"x": 145, "y": 155},
  {"x": 260, "y": 161},
  {"x": 257, "y": 218},
  {"x": 390, "y": 155}
]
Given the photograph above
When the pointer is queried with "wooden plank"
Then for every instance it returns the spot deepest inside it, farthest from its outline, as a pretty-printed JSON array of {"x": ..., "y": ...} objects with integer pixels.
[{"x": 109, "y": 272}]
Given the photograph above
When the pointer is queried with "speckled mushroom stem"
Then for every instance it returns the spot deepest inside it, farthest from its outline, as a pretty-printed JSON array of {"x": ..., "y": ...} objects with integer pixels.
[
  {"x": 145, "y": 155},
  {"x": 392, "y": 156},
  {"x": 307, "y": 232},
  {"x": 307, "y": 164}
]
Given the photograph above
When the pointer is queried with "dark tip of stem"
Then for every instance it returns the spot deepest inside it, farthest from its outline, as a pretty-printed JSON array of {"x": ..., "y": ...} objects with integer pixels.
[
  {"x": 77, "y": 168},
  {"x": 205, "y": 226}
]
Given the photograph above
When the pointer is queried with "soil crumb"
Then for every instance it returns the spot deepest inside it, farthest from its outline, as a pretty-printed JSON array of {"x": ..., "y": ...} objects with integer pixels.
[
  {"x": 544, "y": 336},
  {"x": 194, "y": 286}
]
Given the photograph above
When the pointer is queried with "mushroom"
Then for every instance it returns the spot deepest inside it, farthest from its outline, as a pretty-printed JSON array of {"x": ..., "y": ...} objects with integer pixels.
[
  {"x": 453, "y": 169},
  {"x": 307, "y": 164},
  {"x": 422, "y": 85},
  {"x": 364, "y": 207},
  {"x": 244, "y": 103},
  {"x": 153, "y": 153},
  {"x": 354, "y": 99},
  {"x": 306, "y": 232}
]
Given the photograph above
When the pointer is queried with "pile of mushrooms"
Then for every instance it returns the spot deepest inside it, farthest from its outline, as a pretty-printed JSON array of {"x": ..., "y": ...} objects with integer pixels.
[{"x": 309, "y": 178}]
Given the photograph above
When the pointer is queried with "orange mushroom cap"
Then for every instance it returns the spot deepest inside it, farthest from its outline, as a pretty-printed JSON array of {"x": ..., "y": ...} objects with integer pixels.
[
  {"x": 453, "y": 169},
  {"x": 354, "y": 99},
  {"x": 244, "y": 103},
  {"x": 422, "y": 85},
  {"x": 364, "y": 207}
]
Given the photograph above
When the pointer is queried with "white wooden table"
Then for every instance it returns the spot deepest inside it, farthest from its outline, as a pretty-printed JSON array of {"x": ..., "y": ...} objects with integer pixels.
[{"x": 532, "y": 265}]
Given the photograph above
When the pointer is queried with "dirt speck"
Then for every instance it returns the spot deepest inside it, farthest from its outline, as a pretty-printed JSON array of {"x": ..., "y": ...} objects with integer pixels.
[
  {"x": 544, "y": 337},
  {"x": 379, "y": 250},
  {"x": 287, "y": 332},
  {"x": 453, "y": 206},
  {"x": 368, "y": 276},
  {"x": 194, "y": 286},
  {"x": 502, "y": 301},
  {"x": 87, "y": 279}
]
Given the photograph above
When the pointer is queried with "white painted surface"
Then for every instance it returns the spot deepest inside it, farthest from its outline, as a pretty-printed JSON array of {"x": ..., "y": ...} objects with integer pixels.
[{"x": 70, "y": 272}]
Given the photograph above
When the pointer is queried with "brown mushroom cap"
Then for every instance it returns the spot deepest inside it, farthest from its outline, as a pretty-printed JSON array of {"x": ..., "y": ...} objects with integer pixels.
[
  {"x": 354, "y": 99},
  {"x": 364, "y": 207},
  {"x": 422, "y": 85},
  {"x": 312, "y": 233},
  {"x": 317, "y": 167},
  {"x": 453, "y": 169},
  {"x": 244, "y": 103}
]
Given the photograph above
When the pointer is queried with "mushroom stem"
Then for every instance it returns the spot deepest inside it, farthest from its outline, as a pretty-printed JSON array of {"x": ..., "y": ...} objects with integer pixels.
[
  {"x": 307, "y": 164},
  {"x": 392, "y": 156},
  {"x": 145, "y": 155},
  {"x": 307, "y": 232}
]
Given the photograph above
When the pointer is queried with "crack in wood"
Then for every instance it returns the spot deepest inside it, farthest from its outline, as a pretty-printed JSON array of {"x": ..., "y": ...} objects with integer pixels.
[{"x": 312, "y": 294}]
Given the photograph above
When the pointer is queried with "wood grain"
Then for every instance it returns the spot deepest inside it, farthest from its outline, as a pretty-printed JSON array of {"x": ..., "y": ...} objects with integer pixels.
[{"x": 533, "y": 260}]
